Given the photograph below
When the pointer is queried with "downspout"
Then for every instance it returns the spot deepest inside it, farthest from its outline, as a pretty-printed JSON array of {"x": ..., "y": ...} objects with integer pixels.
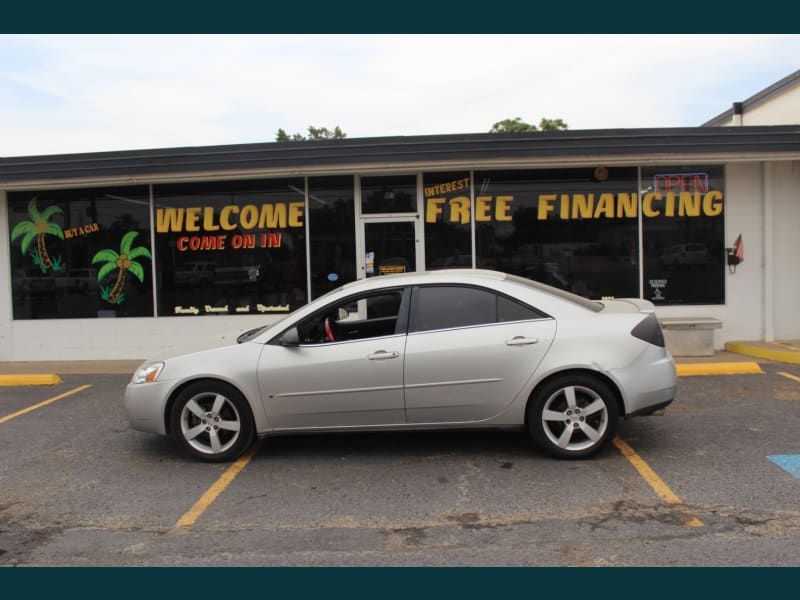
[{"x": 769, "y": 279}]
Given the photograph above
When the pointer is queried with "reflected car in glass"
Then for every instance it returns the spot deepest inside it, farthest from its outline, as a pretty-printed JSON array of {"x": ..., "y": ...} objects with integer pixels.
[
  {"x": 685, "y": 254},
  {"x": 449, "y": 349}
]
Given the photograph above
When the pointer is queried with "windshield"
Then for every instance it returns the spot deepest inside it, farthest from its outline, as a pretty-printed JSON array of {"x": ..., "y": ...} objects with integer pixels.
[{"x": 254, "y": 333}]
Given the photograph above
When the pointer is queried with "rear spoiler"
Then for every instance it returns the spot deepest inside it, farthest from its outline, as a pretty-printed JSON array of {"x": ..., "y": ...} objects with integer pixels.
[{"x": 642, "y": 306}]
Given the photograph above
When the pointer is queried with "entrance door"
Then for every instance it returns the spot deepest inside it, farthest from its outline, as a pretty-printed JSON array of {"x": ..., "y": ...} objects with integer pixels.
[{"x": 390, "y": 246}]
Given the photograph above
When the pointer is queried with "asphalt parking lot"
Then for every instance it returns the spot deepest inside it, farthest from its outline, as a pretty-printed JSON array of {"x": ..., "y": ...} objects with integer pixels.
[{"x": 715, "y": 481}]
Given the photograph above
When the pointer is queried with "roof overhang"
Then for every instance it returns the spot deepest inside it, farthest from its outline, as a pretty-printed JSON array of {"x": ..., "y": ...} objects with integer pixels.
[{"x": 406, "y": 154}]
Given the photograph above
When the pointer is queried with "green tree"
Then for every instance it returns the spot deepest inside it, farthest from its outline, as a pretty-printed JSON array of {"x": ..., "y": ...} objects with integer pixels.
[
  {"x": 314, "y": 133},
  {"x": 517, "y": 124},
  {"x": 122, "y": 261},
  {"x": 37, "y": 228},
  {"x": 552, "y": 124}
]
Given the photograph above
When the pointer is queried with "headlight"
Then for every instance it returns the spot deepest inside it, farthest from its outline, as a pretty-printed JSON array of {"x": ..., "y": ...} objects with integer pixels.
[{"x": 147, "y": 373}]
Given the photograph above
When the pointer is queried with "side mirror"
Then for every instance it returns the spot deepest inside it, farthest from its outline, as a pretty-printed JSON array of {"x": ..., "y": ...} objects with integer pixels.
[{"x": 290, "y": 338}]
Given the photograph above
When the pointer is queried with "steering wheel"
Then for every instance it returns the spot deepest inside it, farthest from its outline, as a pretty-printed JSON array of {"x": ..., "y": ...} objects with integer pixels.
[{"x": 329, "y": 330}]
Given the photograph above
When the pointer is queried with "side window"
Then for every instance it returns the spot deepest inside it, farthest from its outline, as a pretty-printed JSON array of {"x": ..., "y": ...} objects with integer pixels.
[
  {"x": 448, "y": 307},
  {"x": 510, "y": 310},
  {"x": 356, "y": 318}
]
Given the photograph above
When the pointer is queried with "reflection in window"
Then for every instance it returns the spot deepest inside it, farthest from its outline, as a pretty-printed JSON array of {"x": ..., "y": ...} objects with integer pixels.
[
  {"x": 81, "y": 253},
  {"x": 332, "y": 232},
  {"x": 448, "y": 237},
  {"x": 233, "y": 247},
  {"x": 575, "y": 229},
  {"x": 389, "y": 194},
  {"x": 390, "y": 248},
  {"x": 683, "y": 233}
]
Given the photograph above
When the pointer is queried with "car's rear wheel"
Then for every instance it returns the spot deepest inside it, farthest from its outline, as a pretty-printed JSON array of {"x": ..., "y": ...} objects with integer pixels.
[
  {"x": 573, "y": 416},
  {"x": 212, "y": 421}
]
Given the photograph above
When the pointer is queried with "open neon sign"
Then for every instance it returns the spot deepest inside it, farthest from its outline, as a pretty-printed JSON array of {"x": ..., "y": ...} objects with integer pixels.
[{"x": 681, "y": 182}]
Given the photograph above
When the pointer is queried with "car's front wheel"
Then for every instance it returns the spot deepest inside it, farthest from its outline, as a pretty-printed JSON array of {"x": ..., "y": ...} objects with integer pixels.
[
  {"x": 212, "y": 421},
  {"x": 573, "y": 416}
]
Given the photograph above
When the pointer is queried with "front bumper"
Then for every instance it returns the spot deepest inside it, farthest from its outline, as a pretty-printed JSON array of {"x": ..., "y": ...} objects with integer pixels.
[{"x": 144, "y": 405}]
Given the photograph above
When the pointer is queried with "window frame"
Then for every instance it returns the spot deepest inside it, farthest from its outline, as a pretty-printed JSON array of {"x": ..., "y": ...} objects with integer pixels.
[{"x": 401, "y": 325}]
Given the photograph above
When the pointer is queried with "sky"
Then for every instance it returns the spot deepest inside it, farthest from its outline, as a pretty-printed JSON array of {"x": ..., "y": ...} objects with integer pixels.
[{"x": 72, "y": 93}]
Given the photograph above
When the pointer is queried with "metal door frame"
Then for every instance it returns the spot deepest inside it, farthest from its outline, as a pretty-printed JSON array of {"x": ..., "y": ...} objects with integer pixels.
[{"x": 363, "y": 219}]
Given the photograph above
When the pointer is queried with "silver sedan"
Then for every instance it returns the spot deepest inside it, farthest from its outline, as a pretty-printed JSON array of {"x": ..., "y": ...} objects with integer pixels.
[{"x": 439, "y": 350}]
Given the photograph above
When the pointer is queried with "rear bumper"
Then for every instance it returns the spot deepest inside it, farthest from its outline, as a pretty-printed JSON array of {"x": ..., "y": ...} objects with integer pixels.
[
  {"x": 650, "y": 384},
  {"x": 643, "y": 412}
]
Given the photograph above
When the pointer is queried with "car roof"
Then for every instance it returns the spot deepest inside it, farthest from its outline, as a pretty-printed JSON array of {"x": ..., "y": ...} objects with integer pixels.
[{"x": 422, "y": 277}]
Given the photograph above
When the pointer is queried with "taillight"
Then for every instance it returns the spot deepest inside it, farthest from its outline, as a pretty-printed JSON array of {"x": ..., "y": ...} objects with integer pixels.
[{"x": 649, "y": 330}]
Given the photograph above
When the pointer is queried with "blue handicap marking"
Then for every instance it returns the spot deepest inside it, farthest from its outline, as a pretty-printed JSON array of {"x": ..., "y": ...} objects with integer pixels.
[{"x": 787, "y": 462}]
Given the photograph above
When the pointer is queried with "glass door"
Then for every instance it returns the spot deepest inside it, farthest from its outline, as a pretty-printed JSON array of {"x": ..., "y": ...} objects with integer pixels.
[{"x": 390, "y": 246}]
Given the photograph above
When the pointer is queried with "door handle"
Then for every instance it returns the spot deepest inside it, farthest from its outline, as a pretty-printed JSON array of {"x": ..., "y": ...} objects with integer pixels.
[
  {"x": 382, "y": 355},
  {"x": 522, "y": 341}
]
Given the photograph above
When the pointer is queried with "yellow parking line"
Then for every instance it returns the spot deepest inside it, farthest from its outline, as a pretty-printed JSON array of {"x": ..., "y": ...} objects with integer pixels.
[
  {"x": 45, "y": 403},
  {"x": 194, "y": 513},
  {"x": 789, "y": 375},
  {"x": 723, "y": 368},
  {"x": 655, "y": 482}
]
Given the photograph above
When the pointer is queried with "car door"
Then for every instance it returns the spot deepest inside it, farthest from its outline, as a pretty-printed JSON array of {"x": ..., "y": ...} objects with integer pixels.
[
  {"x": 469, "y": 353},
  {"x": 346, "y": 370}
]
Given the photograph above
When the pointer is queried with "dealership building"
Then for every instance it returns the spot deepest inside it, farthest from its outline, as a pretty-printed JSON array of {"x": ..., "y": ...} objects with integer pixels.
[{"x": 116, "y": 255}]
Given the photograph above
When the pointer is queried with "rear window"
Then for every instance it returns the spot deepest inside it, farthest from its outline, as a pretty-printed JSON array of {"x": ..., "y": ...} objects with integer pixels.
[{"x": 449, "y": 307}]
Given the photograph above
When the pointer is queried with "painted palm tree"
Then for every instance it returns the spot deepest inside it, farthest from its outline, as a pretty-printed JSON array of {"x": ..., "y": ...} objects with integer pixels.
[
  {"x": 123, "y": 262},
  {"x": 35, "y": 229}
]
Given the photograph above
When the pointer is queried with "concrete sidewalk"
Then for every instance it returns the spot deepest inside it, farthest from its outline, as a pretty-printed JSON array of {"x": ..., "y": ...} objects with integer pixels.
[
  {"x": 735, "y": 353},
  {"x": 72, "y": 367},
  {"x": 47, "y": 372}
]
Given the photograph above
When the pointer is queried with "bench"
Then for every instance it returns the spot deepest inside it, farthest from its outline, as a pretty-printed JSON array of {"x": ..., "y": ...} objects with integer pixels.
[{"x": 690, "y": 336}]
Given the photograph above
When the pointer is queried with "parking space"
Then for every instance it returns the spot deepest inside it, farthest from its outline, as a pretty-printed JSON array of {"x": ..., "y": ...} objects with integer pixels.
[{"x": 80, "y": 487}]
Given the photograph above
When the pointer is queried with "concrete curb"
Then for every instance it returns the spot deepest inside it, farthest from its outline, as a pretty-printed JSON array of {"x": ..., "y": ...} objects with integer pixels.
[
  {"x": 784, "y": 352},
  {"x": 30, "y": 379}
]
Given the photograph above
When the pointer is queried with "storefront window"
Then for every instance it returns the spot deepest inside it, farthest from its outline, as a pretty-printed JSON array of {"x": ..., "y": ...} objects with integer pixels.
[
  {"x": 575, "y": 229},
  {"x": 332, "y": 232},
  {"x": 233, "y": 247},
  {"x": 683, "y": 233},
  {"x": 239, "y": 247},
  {"x": 389, "y": 194},
  {"x": 448, "y": 237},
  {"x": 81, "y": 253}
]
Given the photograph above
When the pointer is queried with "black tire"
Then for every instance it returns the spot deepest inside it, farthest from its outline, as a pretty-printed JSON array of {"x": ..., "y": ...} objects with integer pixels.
[
  {"x": 561, "y": 425},
  {"x": 212, "y": 421}
]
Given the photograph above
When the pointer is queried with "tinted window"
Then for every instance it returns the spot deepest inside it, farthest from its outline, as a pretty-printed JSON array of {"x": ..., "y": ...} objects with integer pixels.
[
  {"x": 447, "y": 307},
  {"x": 509, "y": 310},
  {"x": 683, "y": 227},
  {"x": 81, "y": 253},
  {"x": 230, "y": 247},
  {"x": 573, "y": 229},
  {"x": 389, "y": 194},
  {"x": 332, "y": 232},
  {"x": 448, "y": 238}
]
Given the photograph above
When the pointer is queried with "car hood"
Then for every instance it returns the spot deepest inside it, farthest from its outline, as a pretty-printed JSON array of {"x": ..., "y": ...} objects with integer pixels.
[{"x": 198, "y": 345}]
